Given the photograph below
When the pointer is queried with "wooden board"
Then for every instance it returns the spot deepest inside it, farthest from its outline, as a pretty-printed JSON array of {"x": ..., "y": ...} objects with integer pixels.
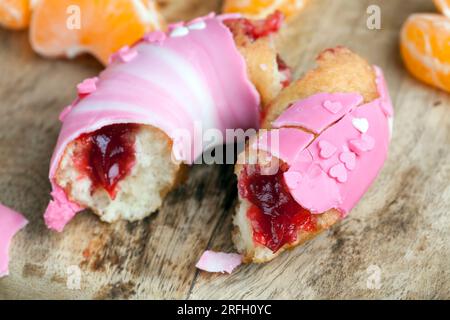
[{"x": 399, "y": 232}]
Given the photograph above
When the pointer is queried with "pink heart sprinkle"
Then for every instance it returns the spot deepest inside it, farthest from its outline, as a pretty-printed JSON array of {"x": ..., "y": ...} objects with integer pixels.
[
  {"x": 87, "y": 86},
  {"x": 326, "y": 149},
  {"x": 292, "y": 179},
  {"x": 338, "y": 171},
  {"x": 125, "y": 54},
  {"x": 65, "y": 112},
  {"x": 348, "y": 159},
  {"x": 333, "y": 107},
  {"x": 155, "y": 37},
  {"x": 359, "y": 146}
]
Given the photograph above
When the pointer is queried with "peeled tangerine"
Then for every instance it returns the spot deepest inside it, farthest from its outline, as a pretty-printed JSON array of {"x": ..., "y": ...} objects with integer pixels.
[
  {"x": 425, "y": 48},
  {"x": 15, "y": 14},
  {"x": 258, "y": 9},
  {"x": 101, "y": 27},
  {"x": 443, "y": 6}
]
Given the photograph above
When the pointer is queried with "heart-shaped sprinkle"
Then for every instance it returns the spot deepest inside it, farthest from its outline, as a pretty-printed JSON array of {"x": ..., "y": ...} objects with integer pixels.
[
  {"x": 87, "y": 86},
  {"x": 364, "y": 144},
  {"x": 338, "y": 172},
  {"x": 125, "y": 54},
  {"x": 331, "y": 106},
  {"x": 348, "y": 158},
  {"x": 292, "y": 179},
  {"x": 155, "y": 37},
  {"x": 179, "y": 32},
  {"x": 326, "y": 149},
  {"x": 198, "y": 25},
  {"x": 128, "y": 55},
  {"x": 65, "y": 112},
  {"x": 361, "y": 124}
]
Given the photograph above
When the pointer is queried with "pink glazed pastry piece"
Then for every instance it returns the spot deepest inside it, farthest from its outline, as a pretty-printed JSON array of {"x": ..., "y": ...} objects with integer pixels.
[
  {"x": 10, "y": 223},
  {"x": 171, "y": 82},
  {"x": 337, "y": 168},
  {"x": 318, "y": 111},
  {"x": 211, "y": 261}
]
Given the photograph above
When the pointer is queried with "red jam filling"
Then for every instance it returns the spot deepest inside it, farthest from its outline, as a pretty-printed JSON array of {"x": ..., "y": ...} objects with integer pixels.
[
  {"x": 262, "y": 28},
  {"x": 107, "y": 155},
  {"x": 285, "y": 71},
  {"x": 275, "y": 216}
]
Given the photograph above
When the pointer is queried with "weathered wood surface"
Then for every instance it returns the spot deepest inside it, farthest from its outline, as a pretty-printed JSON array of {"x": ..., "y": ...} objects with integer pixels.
[{"x": 400, "y": 228}]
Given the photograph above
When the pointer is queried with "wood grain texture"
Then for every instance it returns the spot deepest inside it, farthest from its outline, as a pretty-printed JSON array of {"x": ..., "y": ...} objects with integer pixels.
[{"x": 401, "y": 225}]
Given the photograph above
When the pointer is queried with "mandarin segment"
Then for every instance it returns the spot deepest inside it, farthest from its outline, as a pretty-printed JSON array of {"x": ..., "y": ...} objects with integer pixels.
[
  {"x": 105, "y": 26},
  {"x": 425, "y": 48},
  {"x": 443, "y": 6},
  {"x": 258, "y": 9},
  {"x": 15, "y": 14}
]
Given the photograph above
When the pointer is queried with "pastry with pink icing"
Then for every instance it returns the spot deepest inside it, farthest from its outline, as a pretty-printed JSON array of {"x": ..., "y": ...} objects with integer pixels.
[
  {"x": 324, "y": 140},
  {"x": 126, "y": 138},
  {"x": 10, "y": 223}
]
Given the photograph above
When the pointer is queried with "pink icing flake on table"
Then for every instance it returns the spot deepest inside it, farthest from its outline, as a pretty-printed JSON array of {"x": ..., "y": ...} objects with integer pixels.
[
  {"x": 311, "y": 113},
  {"x": 211, "y": 261},
  {"x": 10, "y": 223}
]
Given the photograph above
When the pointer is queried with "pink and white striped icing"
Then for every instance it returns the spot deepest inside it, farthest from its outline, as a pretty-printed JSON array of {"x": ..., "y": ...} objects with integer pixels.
[
  {"x": 192, "y": 74},
  {"x": 336, "y": 169},
  {"x": 10, "y": 223}
]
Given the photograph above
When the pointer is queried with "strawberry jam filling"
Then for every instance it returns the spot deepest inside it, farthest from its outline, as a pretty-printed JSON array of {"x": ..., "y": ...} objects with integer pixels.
[
  {"x": 262, "y": 28},
  {"x": 107, "y": 155},
  {"x": 286, "y": 73},
  {"x": 275, "y": 216}
]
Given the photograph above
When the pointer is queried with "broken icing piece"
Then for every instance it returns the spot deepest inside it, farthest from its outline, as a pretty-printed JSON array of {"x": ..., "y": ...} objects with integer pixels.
[
  {"x": 10, "y": 223},
  {"x": 293, "y": 141},
  {"x": 311, "y": 113},
  {"x": 361, "y": 124},
  {"x": 212, "y": 261},
  {"x": 87, "y": 86}
]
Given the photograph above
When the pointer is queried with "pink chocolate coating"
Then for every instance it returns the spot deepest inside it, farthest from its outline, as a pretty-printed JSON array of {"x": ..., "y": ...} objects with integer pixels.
[
  {"x": 211, "y": 261},
  {"x": 337, "y": 168},
  {"x": 169, "y": 82},
  {"x": 10, "y": 223},
  {"x": 318, "y": 111}
]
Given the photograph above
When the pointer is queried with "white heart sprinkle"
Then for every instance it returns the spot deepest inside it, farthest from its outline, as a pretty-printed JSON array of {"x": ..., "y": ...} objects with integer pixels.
[
  {"x": 361, "y": 124},
  {"x": 263, "y": 67},
  {"x": 179, "y": 32},
  {"x": 197, "y": 26}
]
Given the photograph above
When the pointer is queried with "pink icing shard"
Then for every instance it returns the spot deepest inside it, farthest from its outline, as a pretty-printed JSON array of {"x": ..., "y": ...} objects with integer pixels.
[
  {"x": 283, "y": 143},
  {"x": 318, "y": 111},
  {"x": 211, "y": 261},
  {"x": 171, "y": 83},
  {"x": 10, "y": 223},
  {"x": 336, "y": 169},
  {"x": 87, "y": 86}
]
